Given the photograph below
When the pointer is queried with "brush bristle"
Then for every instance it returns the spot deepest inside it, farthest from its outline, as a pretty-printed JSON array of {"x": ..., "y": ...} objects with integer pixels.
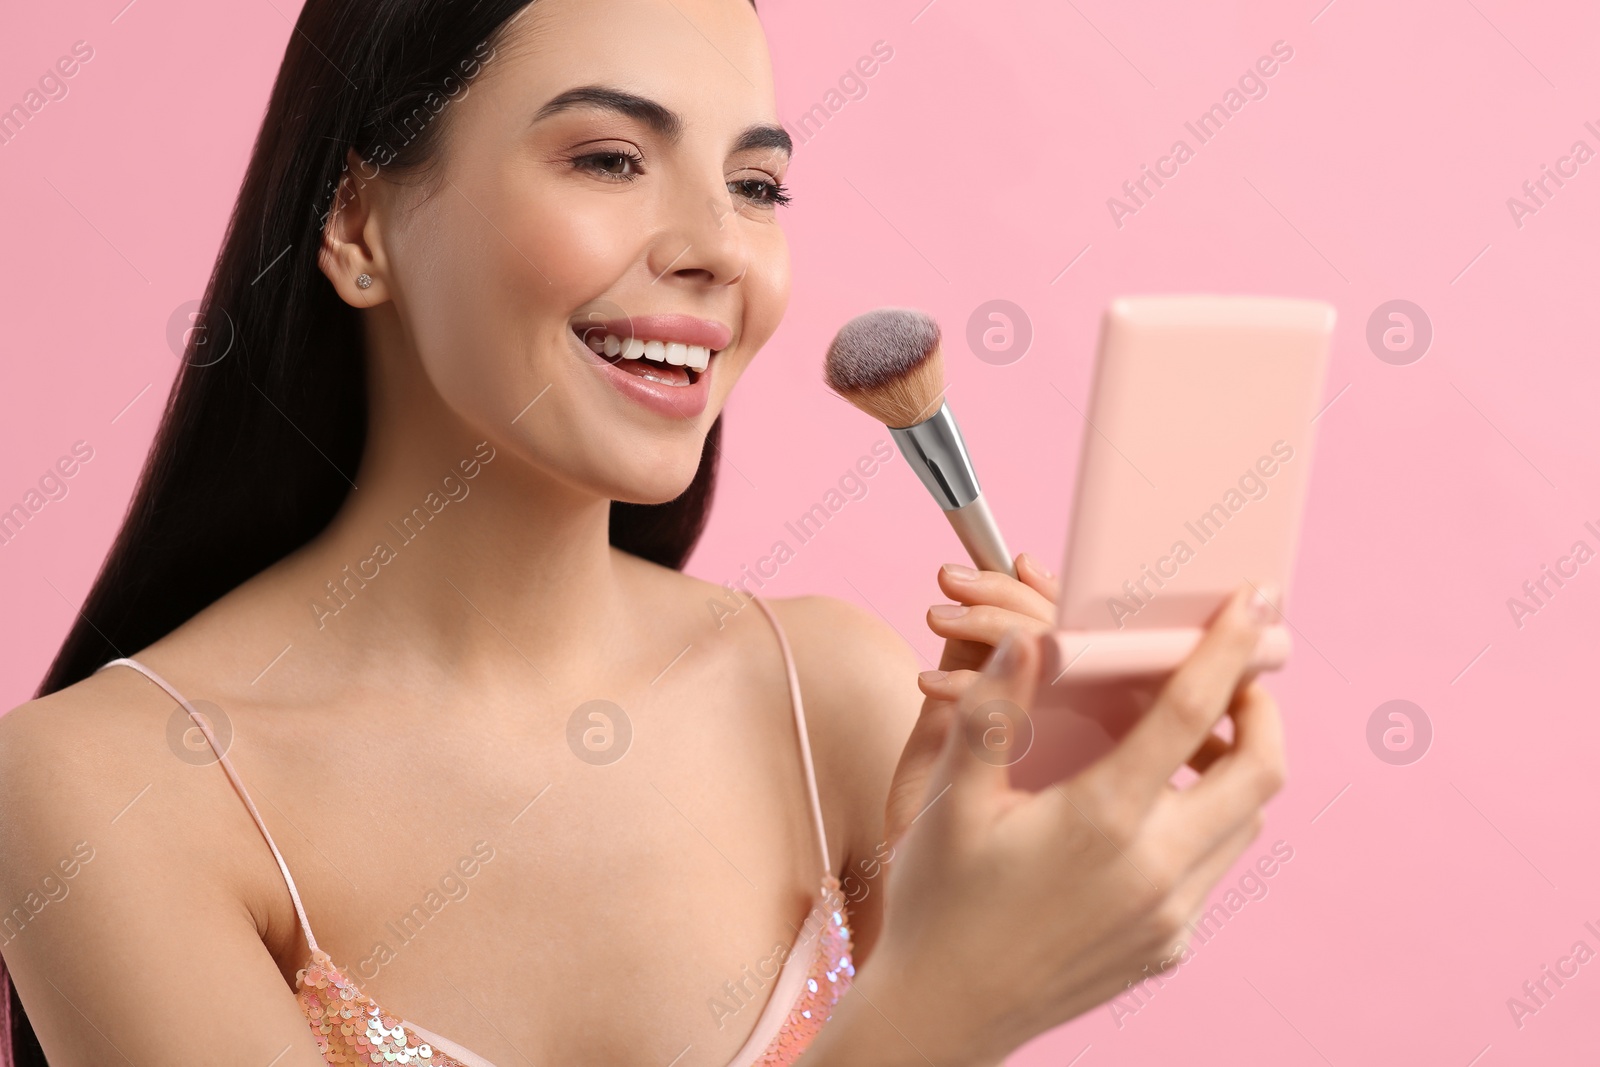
[{"x": 887, "y": 363}]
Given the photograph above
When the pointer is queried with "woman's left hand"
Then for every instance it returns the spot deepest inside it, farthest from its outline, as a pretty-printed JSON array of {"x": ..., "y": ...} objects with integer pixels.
[{"x": 987, "y": 604}]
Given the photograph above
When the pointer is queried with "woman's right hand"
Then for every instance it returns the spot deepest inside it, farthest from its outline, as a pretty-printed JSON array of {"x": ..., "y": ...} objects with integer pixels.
[{"x": 1010, "y": 912}]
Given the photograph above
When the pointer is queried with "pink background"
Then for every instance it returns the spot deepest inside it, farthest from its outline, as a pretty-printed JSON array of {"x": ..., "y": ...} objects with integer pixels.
[{"x": 977, "y": 167}]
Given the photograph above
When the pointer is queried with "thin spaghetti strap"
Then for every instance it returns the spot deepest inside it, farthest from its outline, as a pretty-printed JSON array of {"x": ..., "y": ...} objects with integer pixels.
[
  {"x": 238, "y": 785},
  {"x": 800, "y": 728}
]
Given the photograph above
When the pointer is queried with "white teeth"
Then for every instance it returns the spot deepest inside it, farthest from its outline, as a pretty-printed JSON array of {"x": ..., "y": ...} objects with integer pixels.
[{"x": 673, "y": 353}]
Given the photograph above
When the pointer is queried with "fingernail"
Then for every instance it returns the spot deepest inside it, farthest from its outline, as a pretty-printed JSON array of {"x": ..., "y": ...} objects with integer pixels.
[
  {"x": 1261, "y": 604},
  {"x": 1034, "y": 563},
  {"x": 1007, "y": 654},
  {"x": 960, "y": 573},
  {"x": 948, "y": 611},
  {"x": 933, "y": 677}
]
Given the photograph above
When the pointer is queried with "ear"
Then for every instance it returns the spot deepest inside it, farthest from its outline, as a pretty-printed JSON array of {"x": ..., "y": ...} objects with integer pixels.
[{"x": 350, "y": 247}]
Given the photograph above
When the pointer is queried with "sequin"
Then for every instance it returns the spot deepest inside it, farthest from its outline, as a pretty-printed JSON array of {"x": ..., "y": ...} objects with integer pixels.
[
  {"x": 816, "y": 1002},
  {"x": 325, "y": 994},
  {"x": 329, "y": 1000}
]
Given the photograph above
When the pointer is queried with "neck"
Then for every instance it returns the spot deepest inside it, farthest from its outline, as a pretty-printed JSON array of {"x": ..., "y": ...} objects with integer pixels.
[
  {"x": 466, "y": 552},
  {"x": 458, "y": 550}
]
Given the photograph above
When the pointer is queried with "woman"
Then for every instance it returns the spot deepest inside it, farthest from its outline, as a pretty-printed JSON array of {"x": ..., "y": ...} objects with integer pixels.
[{"x": 404, "y": 562}]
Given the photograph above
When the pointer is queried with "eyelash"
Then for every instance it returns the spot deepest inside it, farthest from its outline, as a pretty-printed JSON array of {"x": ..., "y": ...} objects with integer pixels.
[{"x": 777, "y": 192}]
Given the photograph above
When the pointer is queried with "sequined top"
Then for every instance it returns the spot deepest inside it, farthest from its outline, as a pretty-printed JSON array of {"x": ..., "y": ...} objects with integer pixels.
[{"x": 350, "y": 1027}]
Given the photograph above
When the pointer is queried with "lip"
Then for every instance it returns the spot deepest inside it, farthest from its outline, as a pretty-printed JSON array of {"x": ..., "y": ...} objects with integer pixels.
[
  {"x": 671, "y": 401},
  {"x": 685, "y": 329}
]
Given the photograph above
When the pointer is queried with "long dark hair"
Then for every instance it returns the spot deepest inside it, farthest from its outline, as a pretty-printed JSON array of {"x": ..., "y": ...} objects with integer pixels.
[{"x": 266, "y": 422}]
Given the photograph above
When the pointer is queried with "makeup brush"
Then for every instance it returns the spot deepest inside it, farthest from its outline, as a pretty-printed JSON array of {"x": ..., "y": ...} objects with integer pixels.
[{"x": 887, "y": 363}]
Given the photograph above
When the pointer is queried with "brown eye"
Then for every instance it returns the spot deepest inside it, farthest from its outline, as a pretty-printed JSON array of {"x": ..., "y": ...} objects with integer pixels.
[{"x": 612, "y": 166}]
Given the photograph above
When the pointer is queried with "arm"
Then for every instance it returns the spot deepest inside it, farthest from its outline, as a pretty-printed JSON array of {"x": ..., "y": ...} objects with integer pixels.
[
  {"x": 870, "y": 666},
  {"x": 126, "y": 932},
  {"x": 1098, "y": 874},
  {"x": 862, "y": 702},
  {"x": 858, "y": 678}
]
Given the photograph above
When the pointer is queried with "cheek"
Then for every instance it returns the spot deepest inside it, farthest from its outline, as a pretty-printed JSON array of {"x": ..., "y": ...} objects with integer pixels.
[
  {"x": 579, "y": 246},
  {"x": 766, "y": 297},
  {"x": 487, "y": 302},
  {"x": 768, "y": 279},
  {"x": 489, "y": 271}
]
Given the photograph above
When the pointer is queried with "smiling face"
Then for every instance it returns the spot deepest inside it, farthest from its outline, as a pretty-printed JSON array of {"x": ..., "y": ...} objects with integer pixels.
[{"x": 608, "y": 188}]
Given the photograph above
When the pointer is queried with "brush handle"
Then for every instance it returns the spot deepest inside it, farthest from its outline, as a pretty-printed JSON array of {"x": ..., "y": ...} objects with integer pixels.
[{"x": 980, "y": 535}]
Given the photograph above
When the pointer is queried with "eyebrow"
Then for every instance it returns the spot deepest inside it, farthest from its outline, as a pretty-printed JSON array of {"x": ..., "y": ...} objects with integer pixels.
[
  {"x": 663, "y": 120},
  {"x": 763, "y": 135}
]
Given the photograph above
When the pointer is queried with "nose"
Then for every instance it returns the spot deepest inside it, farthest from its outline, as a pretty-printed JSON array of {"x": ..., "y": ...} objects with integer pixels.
[{"x": 702, "y": 242}]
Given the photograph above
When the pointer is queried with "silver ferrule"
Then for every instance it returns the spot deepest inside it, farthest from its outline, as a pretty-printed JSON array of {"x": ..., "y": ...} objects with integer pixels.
[{"x": 937, "y": 453}]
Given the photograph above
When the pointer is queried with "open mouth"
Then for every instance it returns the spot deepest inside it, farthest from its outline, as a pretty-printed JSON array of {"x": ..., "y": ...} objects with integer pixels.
[{"x": 671, "y": 363}]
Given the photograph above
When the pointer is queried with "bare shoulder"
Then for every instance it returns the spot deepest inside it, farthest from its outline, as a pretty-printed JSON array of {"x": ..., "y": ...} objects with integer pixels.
[
  {"x": 854, "y": 654},
  {"x": 56, "y": 751},
  {"x": 93, "y": 769},
  {"x": 110, "y": 839},
  {"x": 858, "y": 681},
  {"x": 859, "y": 678},
  {"x": 68, "y": 763}
]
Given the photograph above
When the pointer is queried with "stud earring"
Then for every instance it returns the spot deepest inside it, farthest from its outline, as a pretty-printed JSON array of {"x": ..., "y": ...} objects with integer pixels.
[{"x": 363, "y": 281}]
